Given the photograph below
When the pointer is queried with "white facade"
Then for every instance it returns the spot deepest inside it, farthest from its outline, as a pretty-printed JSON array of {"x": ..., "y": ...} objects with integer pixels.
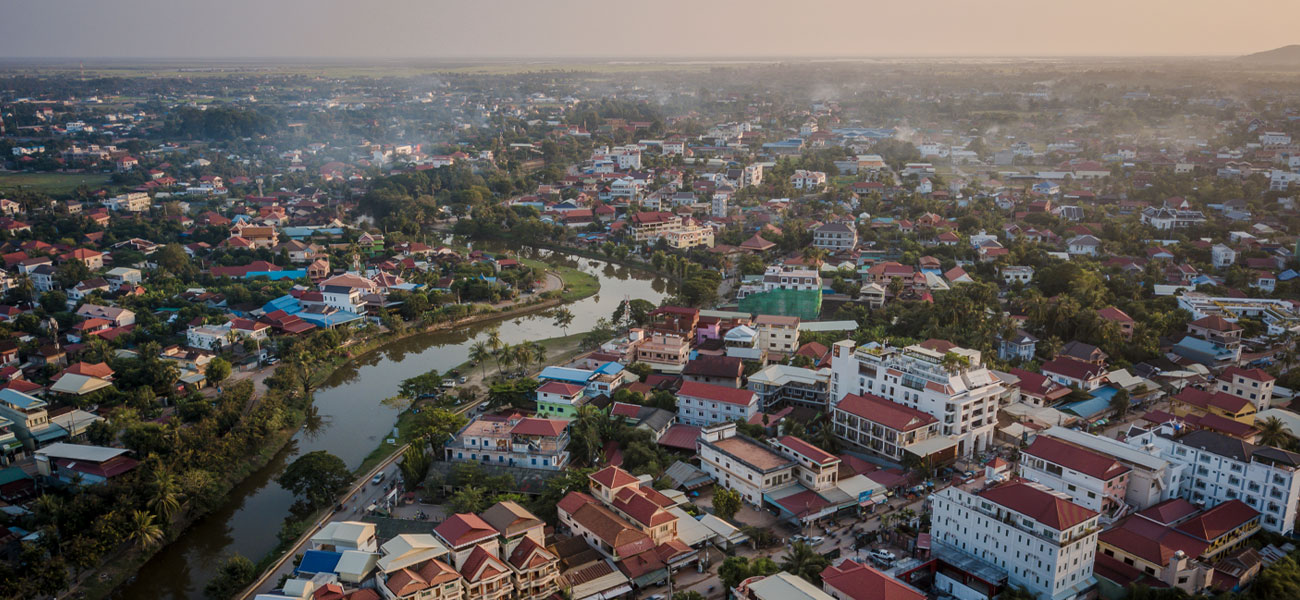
[
  {"x": 964, "y": 399},
  {"x": 1218, "y": 468},
  {"x": 1223, "y": 256},
  {"x": 807, "y": 180},
  {"x": 1051, "y": 563}
]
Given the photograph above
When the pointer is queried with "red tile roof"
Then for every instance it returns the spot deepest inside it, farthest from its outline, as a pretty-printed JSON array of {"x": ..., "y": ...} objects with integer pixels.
[
  {"x": 1251, "y": 374},
  {"x": 1216, "y": 323},
  {"x": 465, "y": 528},
  {"x": 613, "y": 477},
  {"x": 856, "y": 581},
  {"x": 1046, "y": 508},
  {"x": 717, "y": 393},
  {"x": 682, "y": 437},
  {"x": 1220, "y": 520},
  {"x": 1079, "y": 459},
  {"x": 1150, "y": 541},
  {"x": 879, "y": 410},
  {"x": 1110, "y": 313},
  {"x": 1170, "y": 511},
  {"x": 560, "y": 388},
  {"x": 813, "y": 453},
  {"x": 542, "y": 427}
]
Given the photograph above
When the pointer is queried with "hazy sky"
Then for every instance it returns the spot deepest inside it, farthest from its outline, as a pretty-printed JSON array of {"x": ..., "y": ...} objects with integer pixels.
[{"x": 610, "y": 28}]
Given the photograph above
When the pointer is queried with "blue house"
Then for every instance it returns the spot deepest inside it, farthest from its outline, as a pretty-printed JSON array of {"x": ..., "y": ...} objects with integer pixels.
[{"x": 1020, "y": 346}]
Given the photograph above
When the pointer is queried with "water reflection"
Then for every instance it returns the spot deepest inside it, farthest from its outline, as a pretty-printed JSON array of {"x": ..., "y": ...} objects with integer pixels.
[{"x": 351, "y": 418}]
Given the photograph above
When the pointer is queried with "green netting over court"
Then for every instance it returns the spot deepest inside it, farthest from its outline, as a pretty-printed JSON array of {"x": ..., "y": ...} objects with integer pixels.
[{"x": 805, "y": 304}]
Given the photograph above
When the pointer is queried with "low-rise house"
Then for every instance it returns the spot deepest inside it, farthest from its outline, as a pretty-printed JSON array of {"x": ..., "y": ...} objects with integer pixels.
[
  {"x": 76, "y": 464},
  {"x": 530, "y": 443},
  {"x": 1254, "y": 385}
]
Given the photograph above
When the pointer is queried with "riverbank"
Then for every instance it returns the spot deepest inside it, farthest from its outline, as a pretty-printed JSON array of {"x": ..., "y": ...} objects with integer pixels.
[
  {"x": 575, "y": 285},
  {"x": 351, "y": 421},
  {"x": 123, "y": 568}
]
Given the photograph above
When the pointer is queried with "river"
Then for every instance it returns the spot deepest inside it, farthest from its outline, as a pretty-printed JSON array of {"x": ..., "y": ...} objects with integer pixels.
[{"x": 353, "y": 420}]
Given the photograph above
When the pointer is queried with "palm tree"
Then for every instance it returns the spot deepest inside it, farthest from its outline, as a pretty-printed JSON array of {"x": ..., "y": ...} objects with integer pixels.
[
  {"x": 494, "y": 338},
  {"x": 1272, "y": 432},
  {"x": 144, "y": 531},
  {"x": 504, "y": 356},
  {"x": 813, "y": 256},
  {"x": 539, "y": 351},
  {"x": 479, "y": 353},
  {"x": 166, "y": 494},
  {"x": 524, "y": 354},
  {"x": 804, "y": 561}
]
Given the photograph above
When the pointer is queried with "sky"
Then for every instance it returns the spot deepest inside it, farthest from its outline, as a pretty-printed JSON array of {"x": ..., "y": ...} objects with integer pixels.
[{"x": 439, "y": 29}]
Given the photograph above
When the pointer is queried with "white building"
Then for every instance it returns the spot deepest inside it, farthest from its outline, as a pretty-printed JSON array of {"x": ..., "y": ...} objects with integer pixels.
[
  {"x": 1017, "y": 274},
  {"x": 1039, "y": 538},
  {"x": 947, "y": 382},
  {"x": 1223, "y": 256},
  {"x": 807, "y": 180},
  {"x": 1151, "y": 479},
  {"x": 208, "y": 337},
  {"x": 708, "y": 404},
  {"x": 1094, "y": 481},
  {"x": 1218, "y": 468}
]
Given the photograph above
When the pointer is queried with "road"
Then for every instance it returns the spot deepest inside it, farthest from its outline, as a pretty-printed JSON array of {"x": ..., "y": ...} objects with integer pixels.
[{"x": 361, "y": 495}]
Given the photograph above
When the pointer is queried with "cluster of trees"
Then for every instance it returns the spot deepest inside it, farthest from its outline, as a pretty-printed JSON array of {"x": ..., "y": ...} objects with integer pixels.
[
  {"x": 218, "y": 123},
  {"x": 187, "y": 463}
]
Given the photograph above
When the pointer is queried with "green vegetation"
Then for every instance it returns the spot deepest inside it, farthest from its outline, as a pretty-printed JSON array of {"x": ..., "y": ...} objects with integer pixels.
[{"x": 53, "y": 184}]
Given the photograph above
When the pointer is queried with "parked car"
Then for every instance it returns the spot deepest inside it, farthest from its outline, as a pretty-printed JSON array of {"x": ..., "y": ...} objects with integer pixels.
[{"x": 882, "y": 555}]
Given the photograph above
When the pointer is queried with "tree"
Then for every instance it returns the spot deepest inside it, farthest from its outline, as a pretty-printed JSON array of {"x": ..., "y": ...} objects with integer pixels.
[
  {"x": 144, "y": 530},
  {"x": 218, "y": 370},
  {"x": 235, "y": 573},
  {"x": 726, "y": 503},
  {"x": 414, "y": 466},
  {"x": 480, "y": 353},
  {"x": 316, "y": 478},
  {"x": 435, "y": 425},
  {"x": 165, "y": 494},
  {"x": 688, "y": 595},
  {"x": 804, "y": 561},
  {"x": 1273, "y": 432},
  {"x": 563, "y": 319},
  {"x": 736, "y": 569},
  {"x": 469, "y": 499},
  {"x": 1119, "y": 403}
]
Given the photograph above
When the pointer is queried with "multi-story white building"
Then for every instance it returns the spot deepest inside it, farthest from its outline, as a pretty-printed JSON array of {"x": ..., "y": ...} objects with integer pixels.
[
  {"x": 1218, "y": 468},
  {"x": 1094, "y": 481},
  {"x": 836, "y": 237},
  {"x": 778, "y": 334},
  {"x": 1254, "y": 385},
  {"x": 944, "y": 381},
  {"x": 1222, "y": 256},
  {"x": 889, "y": 429},
  {"x": 1017, "y": 274},
  {"x": 1041, "y": 539},
  {"x": 1151, "y": 479},
  {"x": 780, "y": 385},
  {"x": 705, "y": 404},
  {"x": 744, "y": 465},
  {"x": 807, "y": 180}
]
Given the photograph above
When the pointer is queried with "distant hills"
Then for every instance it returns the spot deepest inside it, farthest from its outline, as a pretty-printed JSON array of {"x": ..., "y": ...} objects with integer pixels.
[{"x": 1286, "y": 55}]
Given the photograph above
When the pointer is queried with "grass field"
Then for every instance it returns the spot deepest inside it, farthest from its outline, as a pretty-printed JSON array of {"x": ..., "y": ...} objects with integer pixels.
[{"x": 51, "y": 183}]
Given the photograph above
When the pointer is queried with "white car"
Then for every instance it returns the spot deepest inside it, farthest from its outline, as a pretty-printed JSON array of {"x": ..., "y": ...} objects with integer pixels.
[
  {"x": 883, "y": 555},
  {"x": 816, "y": 539}
]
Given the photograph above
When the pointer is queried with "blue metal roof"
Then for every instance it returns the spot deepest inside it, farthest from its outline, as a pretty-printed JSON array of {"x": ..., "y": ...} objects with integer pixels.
[
  {"x": 20, "y": 400},
  {"x": 318, "y": 561},
  {"x": 277, "y": 275},
  {"x": 1087, "y": 408},
  {"x": 331, "y": 320},
  {"x": 285, "y": 303},
  {"x": 610, "y": 368},
  {"x": 579, "y": 376},
  {"x": 51, "y": 433}
]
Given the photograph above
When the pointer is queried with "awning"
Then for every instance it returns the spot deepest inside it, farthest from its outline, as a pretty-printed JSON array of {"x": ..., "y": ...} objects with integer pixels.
[{"x": 933, "y": 445}]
